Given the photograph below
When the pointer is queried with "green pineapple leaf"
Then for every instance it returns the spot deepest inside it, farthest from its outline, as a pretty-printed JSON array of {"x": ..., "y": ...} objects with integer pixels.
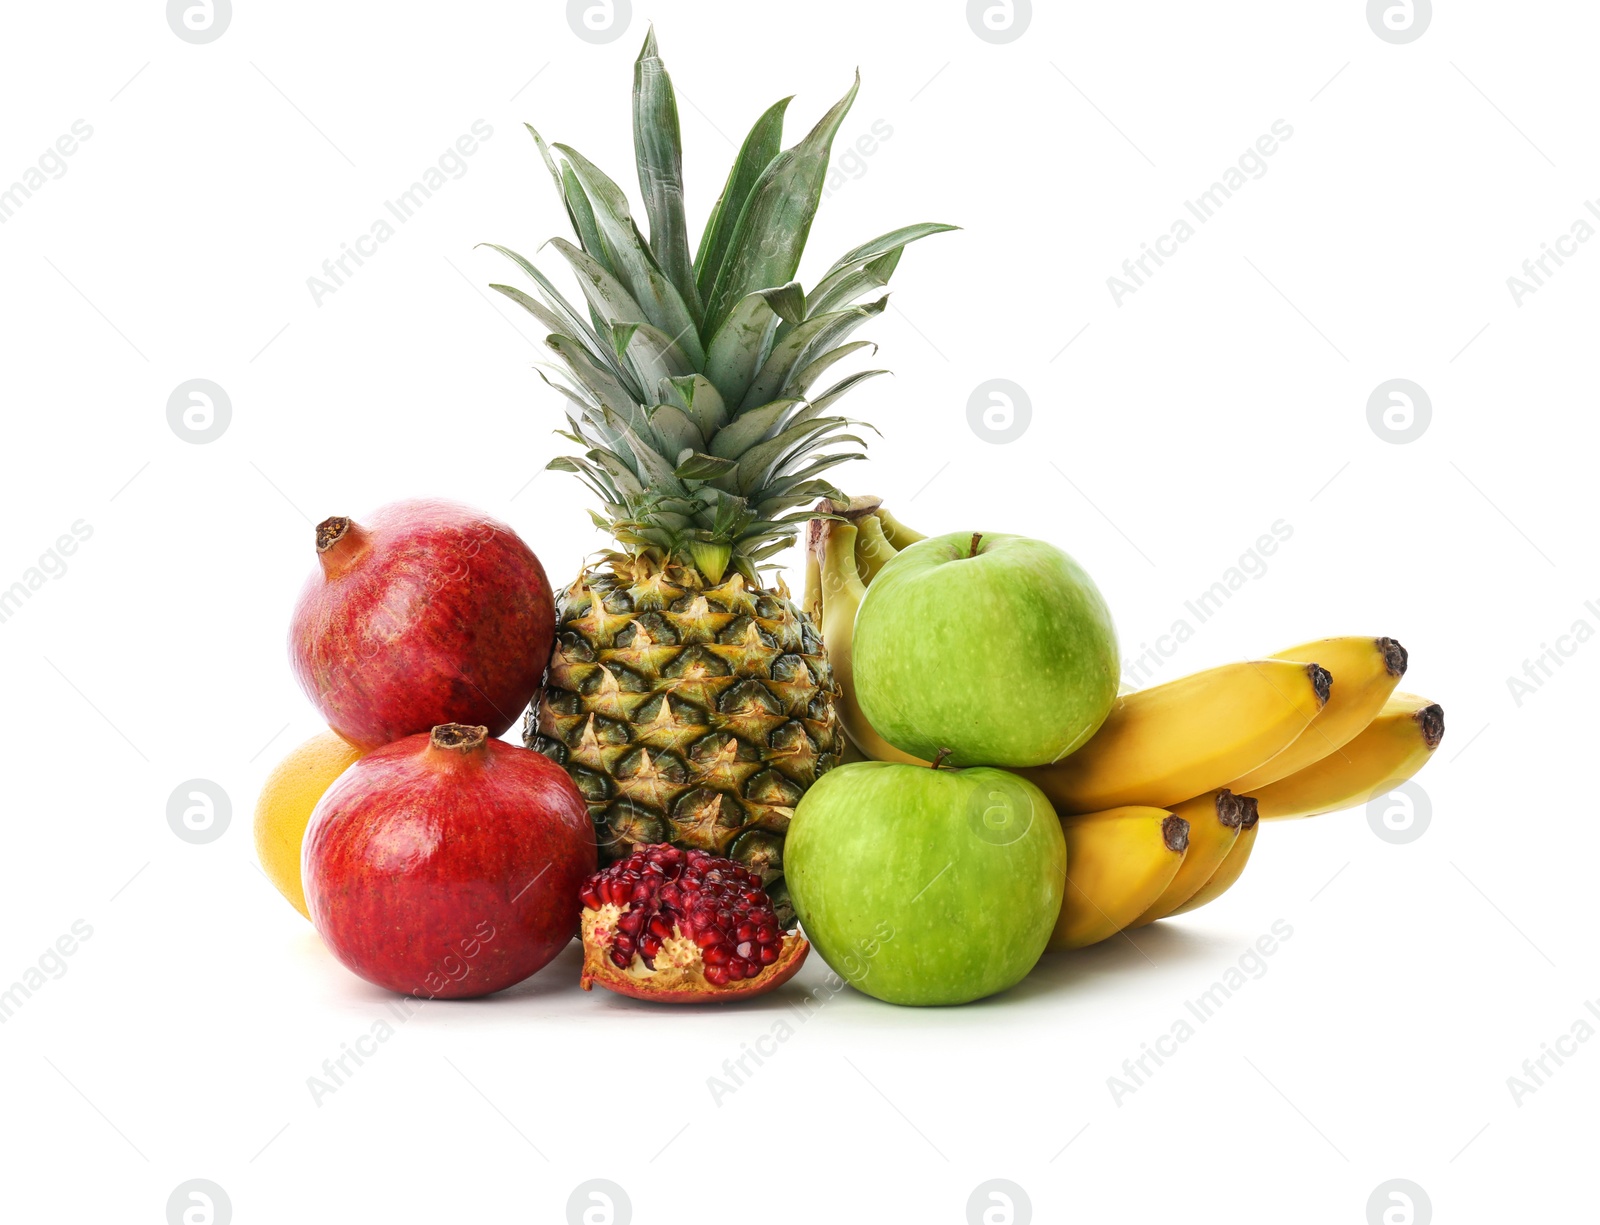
[
  {"x": 699, "y": 399},
  {"x": 579, "y": 211},
  {"x": 739, "y": 346},
  {"x": 628, "y": 253},
  {"x": 676, "y": 433},
  {"x": 776, "y": 219},
  {"x": 798, "y": 349},
  {"x": 751, "y": 427},
  {"x": 801, "y": 383},
  {"x": 703, "y": 467},
  {"x": 867, "y": 252},
  {"x": 866, "y": 279},
  {"x": 658, "y": 149},
  {"x": 762, "y": 145}
]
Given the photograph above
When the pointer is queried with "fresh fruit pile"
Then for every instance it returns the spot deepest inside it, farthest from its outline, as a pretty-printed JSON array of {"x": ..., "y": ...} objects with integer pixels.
[
  {"x": 927, "y": 763},
  {"x": 964, "y": 642}
]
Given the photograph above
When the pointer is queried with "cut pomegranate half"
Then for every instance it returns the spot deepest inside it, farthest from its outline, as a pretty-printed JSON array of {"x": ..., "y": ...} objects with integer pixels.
[{"x": 683, "y": 927}]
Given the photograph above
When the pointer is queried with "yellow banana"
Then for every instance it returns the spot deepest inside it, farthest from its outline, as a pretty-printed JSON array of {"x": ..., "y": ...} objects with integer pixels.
[
  {"x": 811, "y": 602},
  {"x": 841, "y": 589},
  {"x": 1365, "y": 672},
  {"x": 1394, "y": 746},
  {"x": 1232, "y": 867},
  {"x": 1214, "y": 820},
  {"x": 1118, "y": 863},
  {"x": 898, "y": 534},
  {"x": 1188, "y": 736},
  {"x": 873, "y": 549}
]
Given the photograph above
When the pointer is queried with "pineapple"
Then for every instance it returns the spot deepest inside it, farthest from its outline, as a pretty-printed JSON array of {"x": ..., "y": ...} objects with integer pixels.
[{"x": 690, "y": 701}]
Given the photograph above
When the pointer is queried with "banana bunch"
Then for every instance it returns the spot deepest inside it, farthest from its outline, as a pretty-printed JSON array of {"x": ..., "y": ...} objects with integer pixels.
[{"x": 1161, "y": 807}]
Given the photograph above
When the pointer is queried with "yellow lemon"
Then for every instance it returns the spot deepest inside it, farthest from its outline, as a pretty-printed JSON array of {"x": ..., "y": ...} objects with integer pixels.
[{"x": 290, "y": 793}]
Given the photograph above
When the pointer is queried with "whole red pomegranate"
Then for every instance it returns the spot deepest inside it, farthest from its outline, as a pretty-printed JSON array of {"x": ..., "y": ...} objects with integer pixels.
[
  {"x": 425, "y": 613},
  {"x": 448, "y": 865},
  {"x": 684, "y": 927}
]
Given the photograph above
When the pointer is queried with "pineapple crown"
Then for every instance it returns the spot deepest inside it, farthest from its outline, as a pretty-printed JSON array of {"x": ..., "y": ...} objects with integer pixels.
[{"x": 691, "y": 376}]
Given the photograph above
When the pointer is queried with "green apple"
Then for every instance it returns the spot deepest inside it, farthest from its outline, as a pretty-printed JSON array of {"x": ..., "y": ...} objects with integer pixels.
[
  {"x": 996, "y": 648},
  {"x": 924, "y": 885}
]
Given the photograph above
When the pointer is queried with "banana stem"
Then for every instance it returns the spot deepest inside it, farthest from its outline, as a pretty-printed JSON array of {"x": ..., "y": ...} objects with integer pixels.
[
  {"x": 873, "y": 550},
  {"x": 839, "y": 577},
  {"x": 811, "y": 603},
  {"x": 899, "y": 535}
]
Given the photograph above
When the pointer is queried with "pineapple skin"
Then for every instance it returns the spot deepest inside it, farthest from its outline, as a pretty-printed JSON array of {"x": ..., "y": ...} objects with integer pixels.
[{"x": 687, "y": 712}]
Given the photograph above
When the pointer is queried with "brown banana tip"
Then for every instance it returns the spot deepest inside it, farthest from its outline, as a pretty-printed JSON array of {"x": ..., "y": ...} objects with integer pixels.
[
  {"x": 1230, "y": 808},
  {"x": 1249, "y": 812},
  {"x": 1432, "y": 720},
  {"x": 1175, "y": 832},
  {"x": 1321, "y": 681},
  {"x": 1395, "y": 657}
]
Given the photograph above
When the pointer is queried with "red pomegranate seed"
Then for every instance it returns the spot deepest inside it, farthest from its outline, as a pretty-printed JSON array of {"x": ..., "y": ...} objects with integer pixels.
[{"x": 717, "y": 904}]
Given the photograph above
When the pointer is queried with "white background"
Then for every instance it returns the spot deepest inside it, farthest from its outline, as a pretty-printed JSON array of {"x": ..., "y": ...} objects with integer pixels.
[{"x": 1228, "y": 393}]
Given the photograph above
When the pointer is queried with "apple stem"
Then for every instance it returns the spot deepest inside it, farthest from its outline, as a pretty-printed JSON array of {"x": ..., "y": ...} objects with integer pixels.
[
  {"x": 938, "y": 758},
  {"x": 976, "y": 536}
]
